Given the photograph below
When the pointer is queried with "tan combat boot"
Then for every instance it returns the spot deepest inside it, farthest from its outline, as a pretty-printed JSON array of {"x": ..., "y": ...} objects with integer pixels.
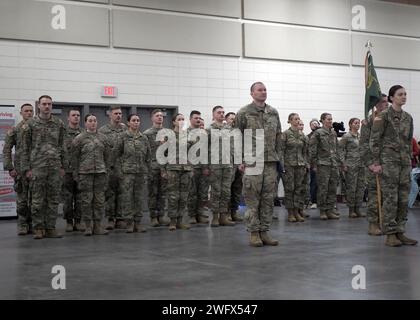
[
  {"x": 406, "y": 241},
  {"x": 299, "y": 215},
  {"x": 138, "y": 227},
  {"x": 22, "y": 230},
  {"x": 332, "y": 215},
  {"x": 224, "y": 221},
  {"x": 69, "y": 226},
  {"x": 181, "y": 225},
  {"x": 374, "y": 229},
  {"x": 163, "y": 221},
  {"x": 98, "y": 230},
  {"x": 236, "y": 216},
  {"x": 120, "y": 224},
  {"x": 267, "y": 240},
  {"x": 215, "y": 220},
  {"x": 255, "y": 239},
  {"x": 52, "y": 233},
  {"x": 392, "y": 240},
  {"x": 79, "y": 226},
  {"x": 192, "y": 220},
  {"x": 154, "y": 222},
  {"x": 352, "y": 213},
  {"x": 323, "y": 215},
  {"x": 111, "y": 224},
  {"x": 172, "y": 224},
  {"x": 130, "y": 227},
  {"x": 88, "y": 229},
  {"x": 202, "y": 219},
  {"x": 38, "y": 234},
  {"x": 291, "y": 215}
]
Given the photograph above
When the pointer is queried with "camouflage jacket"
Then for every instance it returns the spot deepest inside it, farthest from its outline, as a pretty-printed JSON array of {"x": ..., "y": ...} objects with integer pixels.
[
  {"x": 202, "y": 131},
  {"x": 154, "y": 145},
  {"x": 14, "y": 138},
  {"x": 43, "y": 142},
  {"x": 391, "y": 137},
  {"x": 294, "y": 148},
  {"x": 134, "y": 153},
  {"x": 69, "y": 136},
  {"x": 180, "y": 166},
  {"x": 91, "y": 153},
  {"x": 323, "y": 148},
  {"x": 253, "y": 117},
  {"x": 349, "y": 150},
  {"x": 112, "y": 134},
  {"x": 365, "y": 152},
  {"x": 220, "y": 130}
]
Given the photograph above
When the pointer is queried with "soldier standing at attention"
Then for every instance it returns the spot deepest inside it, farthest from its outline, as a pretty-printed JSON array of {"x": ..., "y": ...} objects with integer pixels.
[
  {"x": 179, "y": 179},
  {"x": 14, "y": 138},
  {"x": 220, "y": 173},
  {"x": 294, "y": 153},
  {"x": 111, "y": 131},
  {"x": 237, "y": 176},
  {"x": 371, "y": 169},
  {"x": 199, "y": 191},
  {"x": 72, "y": 213},
  {"x": 91, "y": 154},
  {"x": 391, "y": 144},
  {"x": 354, "y": 170},
  {"x": 158, "y": 206},
  {"x": 43, "y": 164},
  {"x": 259, "y": 185},
  {"x": 133, "y": 150},
  {"x": 324, "y": 160}
]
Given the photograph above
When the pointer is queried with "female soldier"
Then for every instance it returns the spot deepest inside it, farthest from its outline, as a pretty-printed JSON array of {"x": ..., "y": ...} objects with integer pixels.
[
  {"x": 294, "y": 152},
  {"x": 390, "y": 141},
  {"x": 324, "y": 160},
  {"x": 179, "y": 174},
  {"x": 354, "y": 171},
  {"x": 134, "y": 153},
  {"x": 91, "y": 161}
]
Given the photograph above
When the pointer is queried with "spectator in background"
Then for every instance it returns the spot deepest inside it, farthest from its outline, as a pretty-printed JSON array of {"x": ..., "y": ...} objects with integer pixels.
[
  {"x": 415, "y": 174},
  {"x": 313, "y": 185}
]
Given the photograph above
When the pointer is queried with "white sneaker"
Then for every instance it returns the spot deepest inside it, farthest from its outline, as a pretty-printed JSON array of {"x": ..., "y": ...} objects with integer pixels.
[{"x": 313, "y": 206}]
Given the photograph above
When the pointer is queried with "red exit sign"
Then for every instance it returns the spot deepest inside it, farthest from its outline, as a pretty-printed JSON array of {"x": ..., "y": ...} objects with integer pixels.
[{"x": 109, "y": 91}]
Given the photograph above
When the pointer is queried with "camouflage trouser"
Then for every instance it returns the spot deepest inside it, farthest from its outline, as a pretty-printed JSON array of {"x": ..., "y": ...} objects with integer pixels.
[
  {"x": 355, "y": 186},
  {"x": 259, "y": 192},
  {"x": 372, "y": 204},
  {"x": 295, "y": 189},
  {"x": 92, "y": 195},
  {"x": 327, "y": 177},
  {"x": 395, "y": 185},
  {"x": 112, "y": 210},
  {"x": 22, "y": 202},
  {"x": 71, "y": 208},
  {"x": 177, "y": 192},
  {"x": 236, "y": 189},
  {"x": 131, "y": 196},
  {"x": 199, "y": 193},
  {"x": 157, "y": 194},
  {"x": 45, "y": 187},
  {"x": 220, "y": 182}
]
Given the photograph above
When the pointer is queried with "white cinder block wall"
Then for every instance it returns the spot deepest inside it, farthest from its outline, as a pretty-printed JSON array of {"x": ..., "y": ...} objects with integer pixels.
[{"x": 75, "y": 74}]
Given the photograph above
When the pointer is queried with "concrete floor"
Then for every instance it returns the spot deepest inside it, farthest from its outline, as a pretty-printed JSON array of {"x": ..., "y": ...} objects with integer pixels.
[{"x": 313, "y": 261}]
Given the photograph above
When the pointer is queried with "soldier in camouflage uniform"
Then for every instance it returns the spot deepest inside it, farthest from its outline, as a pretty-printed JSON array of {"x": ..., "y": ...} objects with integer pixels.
[
  {"x": 71, "y": 209},
  {"x": 294, "y": 152},
  {"x": 111, "y": 131},
  {"x": 134, "y": 153},
  {"x": 157, "y": 183},
  {"x": 43, "y": 164},
  {"x": 354, "y": 170},
  {"x": 237, "y": 176},
  {"x": 14, "y": 138},
  {"x": 220, "y": 173},
  {"x": 391, "y": 144},
  {"x": 259, "y": 183},
  {"x": 199, "y": 191},
  {"x": 367, "y": 159},
  {"x": 91, "y": 154},
  {"x": 324, "y": 159},
  {"x": 178, "y": 174}
]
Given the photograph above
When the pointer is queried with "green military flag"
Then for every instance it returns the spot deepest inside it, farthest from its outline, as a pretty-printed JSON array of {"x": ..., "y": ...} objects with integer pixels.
[{"x": 373, "y": 90}]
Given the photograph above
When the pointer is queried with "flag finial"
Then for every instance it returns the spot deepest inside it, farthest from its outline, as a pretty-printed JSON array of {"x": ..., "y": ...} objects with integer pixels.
[{"x": 369, "y": 45}]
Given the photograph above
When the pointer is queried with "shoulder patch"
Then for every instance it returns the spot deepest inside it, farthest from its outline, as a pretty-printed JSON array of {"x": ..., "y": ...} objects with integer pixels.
[{"x": 377, "y": 119}]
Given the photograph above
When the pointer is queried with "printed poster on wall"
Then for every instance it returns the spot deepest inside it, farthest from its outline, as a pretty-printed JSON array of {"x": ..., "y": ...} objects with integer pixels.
[{"x": 7, "y": 194}]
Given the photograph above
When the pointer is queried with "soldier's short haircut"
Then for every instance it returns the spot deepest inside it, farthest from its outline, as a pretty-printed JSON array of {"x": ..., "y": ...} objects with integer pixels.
[
  {"x": 324, "y": 116},
  {"x": 217, "y": 107},
  {"x": 72, "y": 109},
  {"x": 25, "y": 105},
  {"x": 154, "y": 111},
  {"x": 132, "y": 115},
  {"x": 194, "y": 112},
  {"x": 112, "y": 108},
  {"x": 89, "y": 115},
  {"x": 254, "y": 84},
  {"x": 228, "y": 114},
  {"x": 44, "y": 96}
]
